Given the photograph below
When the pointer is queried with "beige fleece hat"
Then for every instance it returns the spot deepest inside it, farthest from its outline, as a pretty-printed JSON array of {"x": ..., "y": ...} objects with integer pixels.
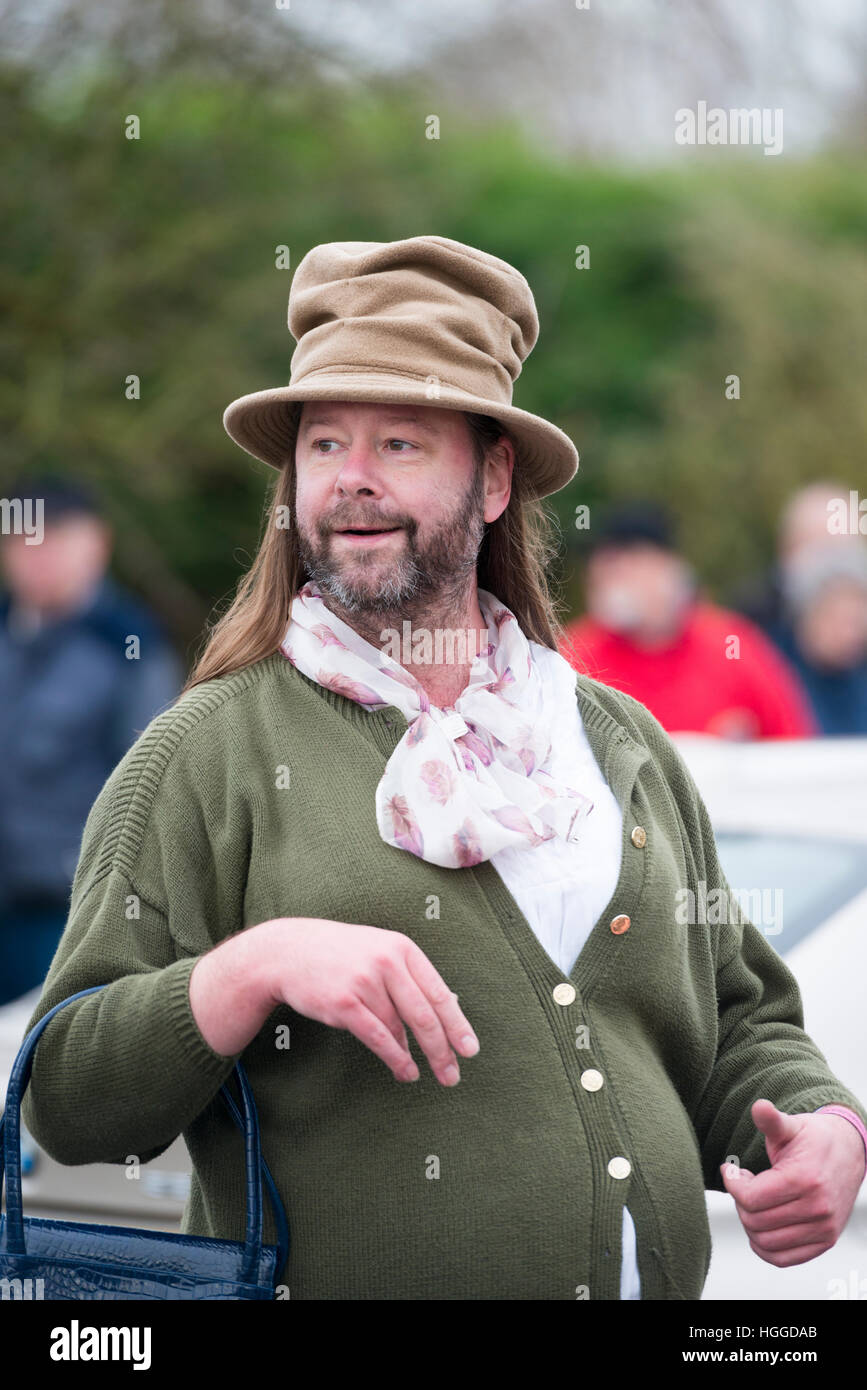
[{"x": 424, "y": 321}]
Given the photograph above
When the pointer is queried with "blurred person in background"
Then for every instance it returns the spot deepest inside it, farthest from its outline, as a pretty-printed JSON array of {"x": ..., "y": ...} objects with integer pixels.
[
  {"x": 813, "y": 605},
  {"x": 71, "y": 703},
  {"x": 803, "y": 524},
  {"x": 697, "y": 667},
  {"x": 823, "y": 630}
]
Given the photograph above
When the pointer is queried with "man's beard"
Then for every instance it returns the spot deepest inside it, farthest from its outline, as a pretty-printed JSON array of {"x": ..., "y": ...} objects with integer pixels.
[{"x": 432, "y": 574}]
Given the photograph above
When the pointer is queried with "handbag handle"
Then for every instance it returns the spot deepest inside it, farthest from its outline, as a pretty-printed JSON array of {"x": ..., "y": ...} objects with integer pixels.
[{"x": 10, "y": 1154}]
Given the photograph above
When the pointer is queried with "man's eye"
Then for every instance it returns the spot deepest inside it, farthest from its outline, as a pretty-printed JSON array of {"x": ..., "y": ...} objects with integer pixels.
[{"x": 316, "y": 443}]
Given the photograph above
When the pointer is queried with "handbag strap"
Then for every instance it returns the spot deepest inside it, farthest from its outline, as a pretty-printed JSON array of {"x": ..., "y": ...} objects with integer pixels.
[{"x": 248, "y": 1123}]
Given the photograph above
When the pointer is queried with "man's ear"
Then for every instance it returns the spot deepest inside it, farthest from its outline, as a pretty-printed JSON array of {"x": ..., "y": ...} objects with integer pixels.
[{"x": 499, "y": 464}]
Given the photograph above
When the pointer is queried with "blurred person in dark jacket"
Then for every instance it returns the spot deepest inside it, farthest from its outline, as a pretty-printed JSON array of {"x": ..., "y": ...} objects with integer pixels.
[
  {"x": 822, "y": 630},
  {"x": 76, "y": 689},
  {"x": 648, "y": 631}
]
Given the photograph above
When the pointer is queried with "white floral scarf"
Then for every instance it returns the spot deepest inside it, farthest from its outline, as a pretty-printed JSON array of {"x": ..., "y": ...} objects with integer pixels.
[{"x": 466, "y": 781}]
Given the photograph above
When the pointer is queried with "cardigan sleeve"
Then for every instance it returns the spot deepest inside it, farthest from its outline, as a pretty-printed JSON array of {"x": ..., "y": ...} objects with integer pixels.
[
  {"x": 763, "y": 1051},
  {"x": 124, "y": 1071}
]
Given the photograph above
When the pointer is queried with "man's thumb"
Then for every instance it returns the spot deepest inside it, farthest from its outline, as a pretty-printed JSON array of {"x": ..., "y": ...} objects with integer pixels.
[{"x": 777, "y": 1127}]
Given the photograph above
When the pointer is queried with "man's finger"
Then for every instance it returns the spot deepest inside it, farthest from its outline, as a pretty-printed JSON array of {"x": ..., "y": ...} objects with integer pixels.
[
  {"x": 790, "y": 1214},
  {"x": 731, "y": 1173},
  {"x": 783, "y": 1258},
  {"x": 763, "y": 1191},
  {"x": 422, "y": 1017},
  {"x": 454, "y": 1021},
  {"x": 371, "y": 1030},
  {"x": 791, "y": 1236}
]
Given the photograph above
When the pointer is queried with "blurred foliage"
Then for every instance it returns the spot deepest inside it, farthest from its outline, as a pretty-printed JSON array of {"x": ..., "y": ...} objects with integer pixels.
[{"x": 157, "y": 257}]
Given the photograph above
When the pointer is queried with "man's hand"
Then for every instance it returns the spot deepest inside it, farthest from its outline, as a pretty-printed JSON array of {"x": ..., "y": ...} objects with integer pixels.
[
  {"x": 371, "y": 981},
  {"x": 798, "y": 1208}
]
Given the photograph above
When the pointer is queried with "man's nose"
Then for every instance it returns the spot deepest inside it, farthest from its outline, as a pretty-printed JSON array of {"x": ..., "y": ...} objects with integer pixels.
[{"x": 360, "y": 470}]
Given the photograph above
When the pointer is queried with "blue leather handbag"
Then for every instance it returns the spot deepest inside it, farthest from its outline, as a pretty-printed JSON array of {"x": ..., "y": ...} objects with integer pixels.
[{"x": 74, "y": 1260}]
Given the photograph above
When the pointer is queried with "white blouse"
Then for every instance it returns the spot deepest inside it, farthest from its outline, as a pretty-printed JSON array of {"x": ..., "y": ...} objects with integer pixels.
[{"x": 562, "y": 887}]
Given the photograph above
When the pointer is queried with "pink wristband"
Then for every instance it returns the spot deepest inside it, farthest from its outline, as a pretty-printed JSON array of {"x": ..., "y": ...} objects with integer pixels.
[{"x": 851, "y": 1117}]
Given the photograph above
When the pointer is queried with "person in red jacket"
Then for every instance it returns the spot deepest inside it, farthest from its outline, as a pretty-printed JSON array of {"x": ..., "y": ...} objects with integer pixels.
[{"x": 648, "y": 631}]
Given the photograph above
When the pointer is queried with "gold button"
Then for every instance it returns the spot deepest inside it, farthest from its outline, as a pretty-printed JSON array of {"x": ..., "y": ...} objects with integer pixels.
[
  {"x": 639, "y": 837},
  {"x": 564, "y": 994},
  {"x": 592, "y": 1080},
  {"x": 620, "y": 924},
  {"x": 620, "y": 1167}
]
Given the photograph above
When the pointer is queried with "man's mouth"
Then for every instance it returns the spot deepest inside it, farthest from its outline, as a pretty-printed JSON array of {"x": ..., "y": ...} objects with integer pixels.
[{"x": 368, "y": 532}]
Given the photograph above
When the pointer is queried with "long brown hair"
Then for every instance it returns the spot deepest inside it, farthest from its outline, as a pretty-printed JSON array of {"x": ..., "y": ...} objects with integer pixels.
[{"x": 513, "y": 561}]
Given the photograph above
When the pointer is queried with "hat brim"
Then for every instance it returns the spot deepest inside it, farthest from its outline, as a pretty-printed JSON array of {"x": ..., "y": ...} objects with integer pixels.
[{"x": 265, "y": 423}]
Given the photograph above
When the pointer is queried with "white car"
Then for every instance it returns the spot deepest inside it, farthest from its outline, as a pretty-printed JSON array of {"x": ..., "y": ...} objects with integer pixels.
[{"x": 790, "y": 822}]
